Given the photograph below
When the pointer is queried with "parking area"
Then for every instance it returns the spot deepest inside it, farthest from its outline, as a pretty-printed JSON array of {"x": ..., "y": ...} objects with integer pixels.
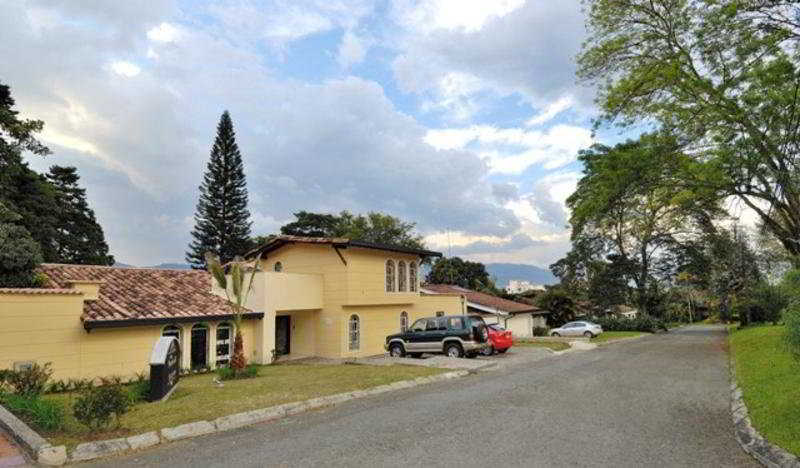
[{"x": 515, "y": 355}]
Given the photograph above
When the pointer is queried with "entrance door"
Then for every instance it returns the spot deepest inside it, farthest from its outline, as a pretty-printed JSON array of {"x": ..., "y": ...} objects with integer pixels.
[
  {"x": 282, "y": 334},
  {"x": 199, "y": 346}
]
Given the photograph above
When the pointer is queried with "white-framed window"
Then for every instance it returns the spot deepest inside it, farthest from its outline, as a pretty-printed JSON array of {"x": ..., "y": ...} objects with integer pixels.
[
  {"x": 412, "y": 276},
  {"x": 403, "y": 321},
  {"x": 354, "y": 335},
  {"x": 402, "y": 277},
  {"x": 225, "y": 337},
  {"x": 278, "y": 267},
  {"x": 390, "y": 275}
]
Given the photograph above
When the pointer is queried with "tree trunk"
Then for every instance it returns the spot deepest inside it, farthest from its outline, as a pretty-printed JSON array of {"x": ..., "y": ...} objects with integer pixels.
[{"x": 238, "y": 361}]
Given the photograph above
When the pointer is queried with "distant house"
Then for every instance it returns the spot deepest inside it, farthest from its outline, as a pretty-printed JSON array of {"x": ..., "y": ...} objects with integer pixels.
[{"x": 517, "y": 317}]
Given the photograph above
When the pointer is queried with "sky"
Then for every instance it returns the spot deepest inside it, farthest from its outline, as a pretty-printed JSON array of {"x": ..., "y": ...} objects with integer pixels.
[{"x": 462, "y": 116}]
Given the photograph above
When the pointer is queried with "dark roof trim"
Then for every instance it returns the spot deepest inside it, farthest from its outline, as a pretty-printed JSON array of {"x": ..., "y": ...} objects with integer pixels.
[
  {"x": 92, "y": 324},
  {"x": 338, "y": 243}
]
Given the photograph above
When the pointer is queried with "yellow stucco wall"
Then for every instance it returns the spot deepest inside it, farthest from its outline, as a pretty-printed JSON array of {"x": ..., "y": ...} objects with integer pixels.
[{"x": 47, "y": 328}]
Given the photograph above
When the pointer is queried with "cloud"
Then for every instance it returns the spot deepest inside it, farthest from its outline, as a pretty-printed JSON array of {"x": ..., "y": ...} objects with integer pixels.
[
  {"x": 164, "y": 32},
  {"x": 515, "y": 243},
  {"x": 505, "y": 192},
  {"x": 513, "y": 150},
  {"x": 126, "y": 69},
  {"x": 352, "y": 50},
  {"x": 523, "y": 48}
]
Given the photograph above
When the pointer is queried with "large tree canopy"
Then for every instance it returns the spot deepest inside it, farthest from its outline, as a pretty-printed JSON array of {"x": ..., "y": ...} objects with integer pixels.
[
  {"x": 373, "y": 227},
  {"x": 723, "y": 76},
  {"x": 464, "y": 273},
  {"x": 629, "y": 208}
]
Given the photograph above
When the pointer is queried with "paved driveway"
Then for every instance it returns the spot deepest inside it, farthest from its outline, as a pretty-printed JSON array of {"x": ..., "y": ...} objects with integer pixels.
[{"x": 659, "y": 401}]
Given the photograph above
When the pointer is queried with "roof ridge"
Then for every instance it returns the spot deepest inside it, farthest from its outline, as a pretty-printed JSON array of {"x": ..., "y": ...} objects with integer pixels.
[{"x": 112, "y": 267}]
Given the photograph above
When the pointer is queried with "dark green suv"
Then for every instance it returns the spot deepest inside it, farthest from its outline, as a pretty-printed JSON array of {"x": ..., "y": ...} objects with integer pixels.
[{"x": 453, "y": 335}]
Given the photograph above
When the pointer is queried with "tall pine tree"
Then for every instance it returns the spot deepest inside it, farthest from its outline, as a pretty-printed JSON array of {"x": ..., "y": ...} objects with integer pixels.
[
  {"x": 78, "y": 238},
  {"x": 222, "y": 220}
]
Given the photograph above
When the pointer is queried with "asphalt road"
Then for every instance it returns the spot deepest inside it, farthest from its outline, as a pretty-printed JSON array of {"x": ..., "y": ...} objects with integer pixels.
[{"x": 658, "y": 401}]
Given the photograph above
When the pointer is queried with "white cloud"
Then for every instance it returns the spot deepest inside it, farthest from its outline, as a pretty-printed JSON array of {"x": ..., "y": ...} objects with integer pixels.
[
  {"x": 352, "y": 50},
  {"x": 164, "y": 32},
  {"x": 551, "y": 111},
  {"x": 466, "y": 15},
  {"x": 513, "y": 150},
  {"x": 126, "y": 69}
]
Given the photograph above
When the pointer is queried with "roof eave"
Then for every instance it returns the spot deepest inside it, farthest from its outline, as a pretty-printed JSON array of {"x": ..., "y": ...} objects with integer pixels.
[{"x": 89, "y": 325}]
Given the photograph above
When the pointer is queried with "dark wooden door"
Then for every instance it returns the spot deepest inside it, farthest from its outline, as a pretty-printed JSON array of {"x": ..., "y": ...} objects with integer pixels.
[
  {"x": 282, "y": 333},
  {"x": 199, "y": 347}
]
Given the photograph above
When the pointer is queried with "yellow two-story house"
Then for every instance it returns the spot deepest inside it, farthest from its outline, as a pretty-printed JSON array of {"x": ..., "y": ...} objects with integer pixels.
[
  {"x": 326, "y": 297},
  {"x": 338, "y": 298}
]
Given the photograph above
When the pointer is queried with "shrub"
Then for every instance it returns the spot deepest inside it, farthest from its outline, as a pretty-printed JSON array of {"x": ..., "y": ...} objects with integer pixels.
[
  {"x": 31, "y": 381},
  {"x": 4, "y": 382},
  {"x": 95, "y": 406},
  {"x": 139, "y": 391},
  {"x": 763, "y": 303},
  {"x": 791, "y": 317},
  {"x": 228, "y": 373},
  {"x": 642, "y": 323},
  {"x": 541, "y": 331},
  {"x": 46, "y": 415}
]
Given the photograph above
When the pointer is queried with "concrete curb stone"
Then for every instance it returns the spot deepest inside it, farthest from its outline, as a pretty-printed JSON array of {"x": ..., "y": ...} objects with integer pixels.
[
  {"x": 184, "y": 431},
  {"x": 747, "y": 436},
  {"x": 31, "y": 442},
  {"x": 102, "y": 448},
  {"x": 51, "y": 456},
  {"x": 148, "y": 439}
]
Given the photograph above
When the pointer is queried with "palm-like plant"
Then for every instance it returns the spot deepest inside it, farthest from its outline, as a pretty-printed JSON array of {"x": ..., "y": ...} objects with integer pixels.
[{"x": 237, "y": 296}]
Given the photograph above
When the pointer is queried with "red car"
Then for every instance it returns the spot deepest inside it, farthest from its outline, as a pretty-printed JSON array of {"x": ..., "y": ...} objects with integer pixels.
[{"x": 499, "y": 338}]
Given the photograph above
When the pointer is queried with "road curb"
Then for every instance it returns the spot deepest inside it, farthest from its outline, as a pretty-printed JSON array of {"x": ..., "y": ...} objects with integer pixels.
[
  {"x": 747, "y": 436},
  {"x": 105, "y": 448}
]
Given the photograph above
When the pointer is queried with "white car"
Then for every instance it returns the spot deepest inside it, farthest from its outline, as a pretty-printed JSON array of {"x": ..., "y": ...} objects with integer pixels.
[{"x": 587, "y": 329}]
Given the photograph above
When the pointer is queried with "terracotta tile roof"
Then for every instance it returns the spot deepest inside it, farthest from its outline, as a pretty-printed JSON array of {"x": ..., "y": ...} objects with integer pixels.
[
  {"x": 38, "y": 291},
  {"x": 483, "y": 299},
  {"x": 141, "y": 294},
  {"x": 342, "y": 242}
]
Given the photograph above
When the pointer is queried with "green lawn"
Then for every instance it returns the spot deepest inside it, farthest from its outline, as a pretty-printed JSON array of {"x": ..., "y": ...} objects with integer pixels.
[
  {"x": 608, "y": 336},
  {"x": 553, "y": 345},
  {"x": 770, "y": 382},
  {"x": 198, "y": 398}
]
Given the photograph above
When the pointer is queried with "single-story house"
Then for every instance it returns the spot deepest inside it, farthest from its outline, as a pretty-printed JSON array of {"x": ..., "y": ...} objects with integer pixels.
[
  {"x": 326, "y": 297},
  {"x": 518, "y": 317}
]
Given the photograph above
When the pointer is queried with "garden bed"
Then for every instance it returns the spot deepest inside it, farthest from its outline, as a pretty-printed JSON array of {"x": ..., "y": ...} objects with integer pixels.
[
  {"x": 769, "y": 379},
  {"x": 198, "y": 397}
]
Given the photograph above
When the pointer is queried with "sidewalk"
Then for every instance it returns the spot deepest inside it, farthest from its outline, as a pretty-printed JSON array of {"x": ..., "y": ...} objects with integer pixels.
[{"x": 9, "y": 453}]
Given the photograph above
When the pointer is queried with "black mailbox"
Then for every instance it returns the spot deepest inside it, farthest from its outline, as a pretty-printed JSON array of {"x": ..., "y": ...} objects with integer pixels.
[{"x": 165, "y": 366}]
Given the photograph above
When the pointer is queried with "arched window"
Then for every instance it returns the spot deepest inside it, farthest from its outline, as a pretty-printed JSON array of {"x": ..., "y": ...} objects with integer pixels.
[
  {"x": 278, "y": 266},
  {"x": 389, "y": 275},
  {"x": 403, "y": 321},
  {"x": 354, "y": 327},
  {"x": 412, "y": 276},
  {"x": 225, "y": 339},
  {"x": 401, "y": 276},
  {"x": 172, "y": 330}
]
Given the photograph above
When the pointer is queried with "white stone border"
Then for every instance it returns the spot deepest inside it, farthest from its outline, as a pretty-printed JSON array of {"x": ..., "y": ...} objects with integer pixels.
[
  {"x": 752, "y": 442},
  {"x": 93, "y": 450}
]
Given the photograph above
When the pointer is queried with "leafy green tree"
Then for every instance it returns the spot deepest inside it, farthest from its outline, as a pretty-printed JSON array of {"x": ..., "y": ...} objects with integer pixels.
[
  {"x": 733, "y": 268},
  {"x": 17, "y": 135},
  {"x": 464, "y": 273},
  {"x": 632, "y": 196},
  {"x": 559, "y": 303},
  {"x": 723, "y": 77},
  {"x": 78, "y": 238},
  {"x": 373, "y": 227},
  {"x": 222, "y": 219},
  {"x": 20, "y": 254}
]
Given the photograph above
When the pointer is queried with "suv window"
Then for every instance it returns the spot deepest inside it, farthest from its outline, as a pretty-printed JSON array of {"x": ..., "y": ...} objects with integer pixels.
[
  {"x": 432, "y": 325},
  {"x": 419, "y": 325},
  {"x": 455, "y": 323}
]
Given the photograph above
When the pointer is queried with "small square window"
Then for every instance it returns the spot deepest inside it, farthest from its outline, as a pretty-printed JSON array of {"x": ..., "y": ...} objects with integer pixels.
[{"x": 23, "y": 365}]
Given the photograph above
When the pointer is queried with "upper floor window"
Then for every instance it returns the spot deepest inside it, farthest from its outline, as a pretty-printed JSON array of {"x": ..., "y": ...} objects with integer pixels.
[
  {"x": 354, "y": 327},
  {"x": 412, "y": 276},
  {"x": 389, "y": 275},
  {"x": 224, "y": 341},
  {"x": 278, "y": 266},
  {"x": 401, "y": 276}
]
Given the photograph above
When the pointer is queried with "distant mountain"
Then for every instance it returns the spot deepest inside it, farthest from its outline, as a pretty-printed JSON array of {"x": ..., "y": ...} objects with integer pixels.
[
  {"x": 162, "y": 266},
  {"x": 505, "y": 272}
]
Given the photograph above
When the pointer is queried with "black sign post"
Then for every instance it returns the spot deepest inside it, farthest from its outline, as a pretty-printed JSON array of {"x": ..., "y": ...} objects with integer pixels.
[{"x": 165, "y": 366}]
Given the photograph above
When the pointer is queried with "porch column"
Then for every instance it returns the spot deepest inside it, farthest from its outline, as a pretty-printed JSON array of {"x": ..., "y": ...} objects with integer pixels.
[
  {"x": 265, "y": 337},
  {"x": 212, "y": 345},
  {"x": 186, "y": 348}
]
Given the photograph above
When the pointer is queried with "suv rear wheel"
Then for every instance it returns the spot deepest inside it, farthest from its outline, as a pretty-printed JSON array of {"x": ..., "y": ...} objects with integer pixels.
[
  {"x": 396, "y": 350},
  {"x": 453, "y": 350},
  {"x": 488, "y": 351}
]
